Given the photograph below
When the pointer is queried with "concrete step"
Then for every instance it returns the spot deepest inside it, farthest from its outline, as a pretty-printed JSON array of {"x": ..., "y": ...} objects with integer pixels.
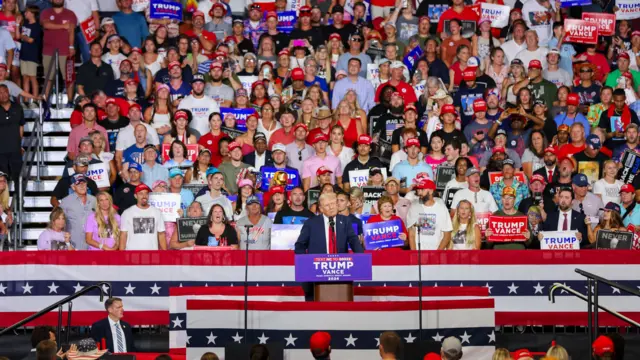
[
  {"x": 31, "y": 234},
  {"x": 35, "y": 217},
  {"x": 54, "y": 156},
  {"x": 42, "y": 186},
  {"x": 49, "y": 126},
  {"x": 55, "y": 114},
  {"x": 37, "y": 202},
  {"x": 50, "y": 170}
]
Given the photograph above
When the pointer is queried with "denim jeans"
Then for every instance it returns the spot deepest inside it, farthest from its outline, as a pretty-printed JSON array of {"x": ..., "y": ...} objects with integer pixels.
[{"x": 82, "y": 46}]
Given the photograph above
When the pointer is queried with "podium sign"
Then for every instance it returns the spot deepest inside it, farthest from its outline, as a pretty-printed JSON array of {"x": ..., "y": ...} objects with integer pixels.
[{"x": 333, "y": 267}]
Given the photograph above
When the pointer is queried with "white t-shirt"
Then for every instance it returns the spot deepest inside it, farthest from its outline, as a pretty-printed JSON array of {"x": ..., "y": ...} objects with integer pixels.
[
  {"x": 608, "y": 192},
  {"x": 114, "y": 61},
  {"x": 433, "y": 220},
  {"x": 6, "y": 44},
  {"x": 539, "y": 19},
  {"x": 200, "y": 109},
  {"x": 511, "y": 48},
  {"x": 126, "y": 137},
  {"x": 482, "y": 201},
  {"x": 82, "y": 8},
  {"x": 559, "y": 77},
  {"x": 142, "y": 227},
  {"x": 539, "y": 54},
  {"x": 345, "y": 156}
]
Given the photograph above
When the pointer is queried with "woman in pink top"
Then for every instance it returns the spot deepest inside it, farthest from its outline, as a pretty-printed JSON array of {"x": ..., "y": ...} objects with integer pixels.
[
  {"x": 103, "y": 227},
  {"x": 54, "y": 237},
  {"x": 246, "y": 140},
  {"x": 435, "y": 156}
]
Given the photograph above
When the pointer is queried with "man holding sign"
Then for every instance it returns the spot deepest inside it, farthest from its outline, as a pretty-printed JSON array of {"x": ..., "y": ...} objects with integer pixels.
[
  {"x": 503, "y": 226},
  {"x": 565, "y": 219}
]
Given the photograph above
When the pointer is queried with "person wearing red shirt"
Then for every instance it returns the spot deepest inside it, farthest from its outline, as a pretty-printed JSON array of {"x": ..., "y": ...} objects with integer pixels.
[
  {"x": 284, "y": 135},
  {"x": 323, "y": 117},
  {"x": 211, "y": 140},
  {"x": 76, "y": 115},
  {"x": 456, "y": 11},
  {"x": 207, "y": 39},
  {"x": 397, "y": 81},
  {"x": 577, "y": 143},
  {"x": 600, "y": 61},
  {"x": 387, "y": 213}
]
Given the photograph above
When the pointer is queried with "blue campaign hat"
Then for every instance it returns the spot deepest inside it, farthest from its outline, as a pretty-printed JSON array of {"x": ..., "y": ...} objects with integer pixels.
[
  {"x": 212, "y": 171},
  {"x": 580, "y": 180},
  {"x": 594, "y": 141},
  {"x": 253, "y": 200},
  {"x": 175, "y": 172},
  {"x": 135, "y": 165},
  {"x": 78, "y": 178}
]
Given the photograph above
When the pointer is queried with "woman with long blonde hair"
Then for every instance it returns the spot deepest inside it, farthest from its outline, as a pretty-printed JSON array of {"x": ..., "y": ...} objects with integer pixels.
[
  {"x": 5, "y": 206},
  {"x": 102, "y": 228},
  {"x": 99, "y": 144},
  {"x": 501, "y": 354},
  {"x": 336, "y": 48},
  {"x": 466, "y": 234},
  {"x": 325, "y": 68},
  {"x": 337, "y": 146},
  {"x": 305, "y": 114},
  {"x": 54, "y": 237},
  {"x": 314, "y": 93},
  {"x": 344, "y": 116},
  {"x": 558, "y": 352},
  {"x": 352, "y": 99}
]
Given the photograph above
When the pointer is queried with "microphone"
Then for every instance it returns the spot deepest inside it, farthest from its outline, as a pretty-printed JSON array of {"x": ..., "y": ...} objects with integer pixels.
[
  {"x": 246, "y": 282},
  {"x": 332, "y": 223}
]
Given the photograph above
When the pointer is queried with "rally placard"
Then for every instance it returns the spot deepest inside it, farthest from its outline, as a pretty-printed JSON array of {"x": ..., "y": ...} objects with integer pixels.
[
  {"x": 312, "y": 197},
  {"x": 139, "y": 5},
  {"x": 98, "y": 172},
  {"x": 497, "y": 14},
  {"x": 570, "y": 3},
  {"x": 286, "y": 21},
  {"x": 359, "y": 178},
  {"x": 284, "y": 237},
  {"x": 482, "y": 218},
  {"x": 507, "y": 228},
  {"x": 448, "y": 196},
  {"x": 167, "y": 203},
  {"x": 636, "y": 236},
  {"x": 194, "y": 188},
  {"x": 580, "y": 31},
  {"x": 89, "y": 29},
  {"x": 382, "y": 235},
  {"x": 188, "y": 227},
  {"x": 591, "y": 169},
  {"x": 333, "y": 267},
  {"x": 627, "y": 9},
  {"x": 192, "y": 152},
  {"x": 559, "y": 240},
  {"x": 630, "y": 161},
  {"x": 444, "y": 174},
  {"x": 268, "y": 172},
  {"x": 246, "y": 81},
  {"x": 606, "y": 22},
  {"x": 614, "y": 240},
  {"x": 373, "y": 72},
  {"x": 240, "y": 115},
  {"x": 496, "y": 176},
  {"x": 165, "y": 9},
  {"x": 467, "y": 31},
  {"x": 412, "y": 57},
  {"x": 372, "y": 194}
]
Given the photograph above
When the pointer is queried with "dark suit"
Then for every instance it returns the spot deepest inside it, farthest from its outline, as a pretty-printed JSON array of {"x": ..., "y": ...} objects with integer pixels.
[
  {"x": 577, "y": 224},
  {"x": 102, "y": 330},
  {"x": 251, "y": 158},
  {"x": 545, "y": 174}
]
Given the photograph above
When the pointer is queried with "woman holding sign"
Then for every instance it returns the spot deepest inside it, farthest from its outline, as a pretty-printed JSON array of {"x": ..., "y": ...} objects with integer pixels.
[
  {"x": 610, "y": 220},
  {"x": 466, "y": 234},
  {"x": 387, "y": 212},
  {"x": 218, "y": 232}
]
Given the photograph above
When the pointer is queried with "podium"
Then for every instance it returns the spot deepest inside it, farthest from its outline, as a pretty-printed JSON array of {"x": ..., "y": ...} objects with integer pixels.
[{"x": 333, "y": 275}]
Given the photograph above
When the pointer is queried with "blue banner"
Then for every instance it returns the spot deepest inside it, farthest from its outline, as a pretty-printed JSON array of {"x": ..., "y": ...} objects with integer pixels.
[
  {"x": 412, "y": 57},
  {"x": 286, "y": 21},
  {"x": 165, "y": 9},
  {"x": 570, "y": 3},
  {"x": 240, "y": 114},
  {"x": 333, "y": 267},
  {"x": 269, "y": 171},
  {"x": 382, "y": 235}
]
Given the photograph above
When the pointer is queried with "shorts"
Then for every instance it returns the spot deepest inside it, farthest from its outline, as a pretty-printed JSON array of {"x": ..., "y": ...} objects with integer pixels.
[
  {"x": 28, "y": 68},
  {"x": 48, "y": 60},
  {"x": 16, "y": 54}
]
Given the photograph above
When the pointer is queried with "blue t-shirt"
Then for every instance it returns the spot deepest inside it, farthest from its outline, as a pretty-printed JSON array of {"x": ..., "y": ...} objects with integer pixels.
[
  {"x": 184, "y": 90},
  {"x": 408, "y": 172},
  {"x": 186, "y": 198},
  {"x": 133, "y": 154},
  {"x": 567, "y": 52},
  {"x": 29, "y": 52},
  {"x": 562, "y": 119},
  {"x": 464, "y": 98},
  {"x": 633, "y": 218},
  {"x": 320, "y": 81},
  {"x": 132, "y": 26}
]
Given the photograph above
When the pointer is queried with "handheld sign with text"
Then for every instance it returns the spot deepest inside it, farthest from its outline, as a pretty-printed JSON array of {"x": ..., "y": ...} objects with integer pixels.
[
  {"x": 268, "y": 173},
  {"x": 497, "y": 14},
  {"x": 591, "y": 169},
  {"x": 194, "y": 188},
  {"x": 241, "y": 115},
  {"x": 167, "y": 203},
  {"x": 483, "y": 221},
  {"x": 372, "y": 194},
  {"x": 570, "y": 3},
  {"x": 507, "y": 228},
  {"x": 614, "y": 240},
  {"x": 165, "y": 9},
  {"x": 139, "y": 5},
  {"x": 359, "y": 178},
  {"x": 333, "y": 267},
  {"x": 286, "y": 20},
  {"x": 448, "y": 196},
  {"x": 188, "y": 228},
  {"x": 636, "y": 236},
  {"x": 192, "y": 152},
  {"x": 606, "y": 22},
  {"x": 580, "y": 31},
  {"x": 627, "y": 9},
  {"x": 413, "y": 56},
  {"x": 98, "y": 173},
  {"x": 89, "y": 29},
  {"x": 444, "y": 174},
  {"x": 630, "y": 161},
  {"x": 284, "y": 237},
  {"x": 246, "y": 81},
  {"x": 382, "y": 235},
  {"x": 312, "y": 197},
  {"x": 496, "y": 176},
  {"x": 559, "y": 240}
]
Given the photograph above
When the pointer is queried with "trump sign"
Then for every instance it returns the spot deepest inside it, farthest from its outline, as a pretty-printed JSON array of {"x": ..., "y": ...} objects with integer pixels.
[
  {"x": 382, "y": 235},
  {"x": 606, "y": 22},
  {"x": 580, "y": 31},
  {"x": 333, "y": 267},
  {"x": 507, "y": 228},
  {"x": 559, "y": 240},
  {"x": 165, "y": 9},
  {"x": 167, "y": 203}
]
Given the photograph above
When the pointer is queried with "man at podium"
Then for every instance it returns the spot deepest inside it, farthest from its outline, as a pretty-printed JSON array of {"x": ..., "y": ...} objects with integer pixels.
[{"x": 328, "y": 233}]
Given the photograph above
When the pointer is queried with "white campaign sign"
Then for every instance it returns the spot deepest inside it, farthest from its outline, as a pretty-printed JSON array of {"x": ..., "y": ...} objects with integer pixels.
[
  {"x": 139, "y": 5},
  {"x": 167, "y": 203},
  {"x": 284, "y": 237},
  {"x": 359, "y": 178},
  {"x": 627, "y": 9},
  {"x": 98, "y": 173},
  {"x": 559, "y": 240},
  {"x": 498, "y": 14},
  {"x": 247, "y": 81}
]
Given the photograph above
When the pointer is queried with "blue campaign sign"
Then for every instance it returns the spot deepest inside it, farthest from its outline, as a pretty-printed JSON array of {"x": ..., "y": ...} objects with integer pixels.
[
  {"x": 240, "y": 115},
  {"x": 382, "y": 235},
  {"x": 412, "y": 57},
  {"x": 269, "y": 171},
  {"x": 570, "y": 3},
  {"x": 165, "y": 9},
  {"x": 333, "y": 267},
  {"x": 286, "y": 21}
]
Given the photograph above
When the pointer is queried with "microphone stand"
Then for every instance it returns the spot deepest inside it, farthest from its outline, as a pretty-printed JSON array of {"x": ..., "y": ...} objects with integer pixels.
[
  {"x": 246, "y": 284},
  {"x": 419, "y": 278}
]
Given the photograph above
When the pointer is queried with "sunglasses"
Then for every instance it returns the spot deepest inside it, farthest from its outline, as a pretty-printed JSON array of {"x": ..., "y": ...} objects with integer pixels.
[
  {"x": 356, "y": 39},
  {"x": 585, "y": 71}
]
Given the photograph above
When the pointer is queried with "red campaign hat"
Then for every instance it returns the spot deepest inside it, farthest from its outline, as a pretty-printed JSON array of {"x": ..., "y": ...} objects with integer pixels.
[
  {"x": 256, "y": 84},
  {"x": 412, "y": 142},
  {"x": 498, "y": 149},
  {"x": 628, "y": 75},
  {"x": 320, "y": 340},
  {"x": 535, "y": 64},
  {"x": 319, "y": 137},
  {"x": 364, "y": 139},
  {"x": 3, "y": 66},
  {"x": 635, "y": 33},
  {"x": 215, "y": 65},
  {"x": 624, "y": 55},
  {"x": 141, "y": 187},
  {"x": 234, "y": 145},
  {"x": 136, "y": 49},
  {"x": 521, "y": 354},
  {"x": 197, "y": 13},
  {"x": 538, "y": 177},
  {"x": 602, "y": 345},
  {"x": 111, "y": 101},
  {"x": 573, "y": 99},
  {"x": 425, "y": 184},
  {"x": 218, "y": 5},
  {"x": 323, "y": 170},
  {"x": 297, "y": 74},
  {"x": 300, "y": 125},
  {"x": 272, "y": 14},
  {"x": 220, "y": 54},
  {"x": 173, "y": 64},
  {"x": 125, "y": 61},
  {"x": 305, "y": 11},
  {"x": 448, "y": 109},
  {"x": 277, "y": 189},
  {"x": 550, "y": 149},
  {"x": 335, "y": 36},
  {"x": 479, "y": 105},
  {"x": 432, "y": 356},
  {"x": 283, "y": 52},
  {"x": 469, "y": 75},
  {"x": 627, "y": 188},
  {"x": 180, "y": 114},
  {"x": 136, "y": 106},
  {"x": 131, "y": 82},
  {"x": 410, "y": 107}
]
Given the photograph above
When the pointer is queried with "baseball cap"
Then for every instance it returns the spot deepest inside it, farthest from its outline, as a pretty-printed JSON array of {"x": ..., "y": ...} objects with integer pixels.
[
  {"x": 364, "y": 139},
  {"x": 521, "y": 354},
  {"x": 473, "y": 62},
  {"x": 411, "y": 142},
  {"x": 215, "y": 65},
  {"x": 110, "y": 101},
  {"x": 131, "y": 82},
  {"x": 498, "y": 149},
  {"x": 78, "y": 178},
  {"x": 245, "y": 182},
  {"x": 563, "y": 127},
  {"x": 550, "y": 149},
  {"x": 335, "y": 36},
  {"x": 612, "y": 206},
  {"x": 509, "y": 191},
  {"x": 320, "y": 340},
  {"x": 627, "y": 188},
  {"x": 234, "y": 145},
  {"x": 517, "y": 62},
  {"x": 113, "y": 37},
  {"x": 580, "y": 180},
  {"x": 141, "y": 187},
  {"x": 297, "y": 74},
  {"x": 410, "y": 107},
  {"x": 199, "y": 77},
  {"x": 469, "y": 75},
  {"x": 180, "y": 114},
  {"x": 602, "y": 345},
  {"x": 535, "y": 64},
  {"x": 319, "y": 137},
  {"x": 278, "y": 147},
  {"x": 594, "y": 141},
  {"x": 538, "y": 177},
  {"x": 271, "y": 14},
  {"x": 472, "y": 171},
  {"x": 567, "y": 157},
  {"x": 337, "y": 9},
  {"x": 390, "y": 179},
  {"x": 501, "y": 132},
  {"x": 509, "y": 162},
  {"x": 573, "y": 99},
  {"x": 212, "y": 171},
  {"x": 87, "y": 139},
  {"x": 107, "y": 21},
  {"x": 539, "y": 102},
  {"x": 259, "y": 136},
  {"x": 635, "y": 33},
  {"x": 451, "y": 346},
  {"x": 173, "y": 64},
  {"x": 396, "y": 65},
  {"x": 82, "y": 160},
  {"x": 426, "y": 184},
  {"x": 252, "y": 199},
  {"x": 323, "y": 170},
  {"x": 159, "y": 183},
  {"x": 375, "y": 171},
  {"x": 554, "y": 51},
  {"x": 175, "y": 172},
  {"x": 447, "y": 109},
  {"x": 432, "y": 356},
  {"x": 135, "y": 166},
  {"x": 624, "y": 55},
  {"x": 241, "y": 92},
  {"x": 479, "y": 105}
]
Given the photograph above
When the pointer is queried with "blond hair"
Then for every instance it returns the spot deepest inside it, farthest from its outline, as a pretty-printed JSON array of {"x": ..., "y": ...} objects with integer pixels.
[
  {"x": 55, "y": 214},
  {"x": 470, "y": 232},
  {"x": 501, "y": 354},
  {"x": 558, "y": 352},
  {"x": 110, "y": 226}
]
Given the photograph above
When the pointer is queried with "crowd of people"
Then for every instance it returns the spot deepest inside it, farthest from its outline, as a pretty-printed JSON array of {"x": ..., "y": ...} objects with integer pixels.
[{"x": 249, "y": 122}]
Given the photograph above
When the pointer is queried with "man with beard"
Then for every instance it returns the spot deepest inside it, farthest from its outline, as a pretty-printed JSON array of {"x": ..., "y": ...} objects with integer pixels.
[
  {"x": 201, "y": 106},
  {"x": 500, "y": 141},
  {"x": 437, "y": 67},
  {"x": 509, "y": 181},
  {"x": 566, "y": 167},
  {"x": 492, "y": 97},
  {"x": 163, "y": 75},
  {"x": 124, "y": 197},
  {"x": 632, "y": 142},
  {"x": 536, "y": 185},
  {"x": 498, "y": 155},
  {"x": 221, "y": 93},
  {"x": 177, "y": 86},
  {"x": 389, "y": 122},
  {"x": 134, "y": 236},
  {"x": 572, "y": 115},
  {"x": 410, "y": 122},
  {"x": 398, "y": 81},
  {"x": 218, "y": 25},
  {"x": 383, "y": 107},
  {"x": 467, "y": 95},
  {"x": 577, "y": 143},
  {"x": 630, "y": 208},
  {"x": 254, "y": 26},
  {"x": 304, "y": 30},
  {"x": 621, "y": 116},
  {"x": 355, "y": 51},
  {"x": 298, "y": 151},
  {"x": 549, "y": 171},
  {"x": 477, "y": 131},
  {"x": 508, "y": 209},
  {"x": 363, "y": 162},
  {"x": 541, "y": 89},
  {"x": 481, "y": 199},
  {"x": 295, "y": 212},
  {"x": 407, "y": 170},
  {"x": 566, "y": 219},
  {"x": 231, "y": 169},
  {"x": 430, "y": 217},
  {"x": 207, "y": 39}
]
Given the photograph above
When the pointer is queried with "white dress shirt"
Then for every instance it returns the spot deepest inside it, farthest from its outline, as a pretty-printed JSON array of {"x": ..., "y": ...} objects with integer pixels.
[
  {"x": 116, "y": 349},
  {"x": 561, "y": 220},
  {"x": 260, "y": 159}
]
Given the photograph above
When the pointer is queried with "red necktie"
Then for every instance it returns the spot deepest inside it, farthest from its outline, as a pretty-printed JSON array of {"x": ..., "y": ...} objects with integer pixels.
[
  {"x": 550, "y": 180},
  {"x": 332, "y": 241},
  {"x": 565, "y": 223}
]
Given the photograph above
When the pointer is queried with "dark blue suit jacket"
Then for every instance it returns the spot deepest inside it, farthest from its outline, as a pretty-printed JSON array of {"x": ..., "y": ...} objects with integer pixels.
[
  {"x": 251, "y": 158},
  {"x": 313, "y": 240},
  {"x": 577, "y": 224},
  {"x": 102, "y": 329}
]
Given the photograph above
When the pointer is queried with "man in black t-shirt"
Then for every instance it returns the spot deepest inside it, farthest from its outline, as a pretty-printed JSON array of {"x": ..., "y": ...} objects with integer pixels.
[
  {"x": 114, "y": 122},
  {"x": 124, "y": 196},
  {"x": 295, "y": 213},
  {"x": 592, "y": 153},
  {"x": 362, "y": 162}
]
